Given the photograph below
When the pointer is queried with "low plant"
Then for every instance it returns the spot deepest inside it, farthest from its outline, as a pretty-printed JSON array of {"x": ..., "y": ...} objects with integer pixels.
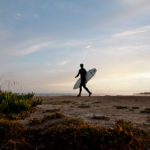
[
  {"x": 35, "y": 121},
  {"x": 146, "y": 111},
  {"x": 17, "y": 105},
  {"x": 82, "y": 136},
  {"x": 51, "y": 110},
  {"x": 72, "y": 134},
  {"x": 121, "y": 107},
  {"x": 83, "y": 106},
  {"x": 14, "y": 136},
  {"x": 98, "y": 117},
  {"x": 56, "y": 115},
  {"x": 135, "y": 107},
  {"x": 97, "y": 102}
]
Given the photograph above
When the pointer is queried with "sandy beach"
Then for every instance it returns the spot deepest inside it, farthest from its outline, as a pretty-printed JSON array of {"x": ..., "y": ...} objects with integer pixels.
[{"x": 98, "y": 110}]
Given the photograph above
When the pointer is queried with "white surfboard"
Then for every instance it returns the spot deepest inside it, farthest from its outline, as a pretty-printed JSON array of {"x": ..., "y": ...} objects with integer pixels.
[{"x": 89, "y": 75}]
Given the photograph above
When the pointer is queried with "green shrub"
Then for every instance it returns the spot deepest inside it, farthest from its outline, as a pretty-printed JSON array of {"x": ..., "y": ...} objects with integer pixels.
[
  {"x": 14, "y": 96},
  {"x": 16, "y": 103}
]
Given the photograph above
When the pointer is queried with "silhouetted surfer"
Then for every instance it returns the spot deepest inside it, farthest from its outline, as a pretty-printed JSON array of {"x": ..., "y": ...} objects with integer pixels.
[{"x": 82, "y": 72}]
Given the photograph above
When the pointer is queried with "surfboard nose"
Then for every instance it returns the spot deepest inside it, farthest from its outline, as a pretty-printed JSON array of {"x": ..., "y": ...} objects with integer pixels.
[{"x": 94, "y": 70}]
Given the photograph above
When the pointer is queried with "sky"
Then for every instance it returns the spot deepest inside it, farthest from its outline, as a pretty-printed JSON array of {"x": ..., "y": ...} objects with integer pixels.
[{"x": 43, "y": 42}]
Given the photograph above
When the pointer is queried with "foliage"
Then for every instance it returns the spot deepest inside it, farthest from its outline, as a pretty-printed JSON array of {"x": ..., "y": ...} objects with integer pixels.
[
  {"x": 97, "y": 117},
  {"x": 51, "y": 110},
  {"x": 146, "y": 111},
  {"x": 56, "y": 131},
  {"x": 121, "y": 107},
  {"x": 14, "y": 136},
  {"x": 135, "y": 107},
  {"x": 84, "y": 106},
  {"x": 71, "y": 134},
  {"x": 56, "y": 115},
  {"x": 128, "y": 126},
  {"x": 74, "y": 134},
  {"x": 17, "y": 105},
  {"x": 35, "y": 121}
]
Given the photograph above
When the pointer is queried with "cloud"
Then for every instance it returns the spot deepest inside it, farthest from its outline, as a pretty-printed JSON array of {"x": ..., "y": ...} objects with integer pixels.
[
  {"x": 30, "y": 49},
  {"x": 130, "y": 13},
  {"x": 88, "y": 46},
  {"x": 132, "y": 32},
  {"x": 133, "y": 2},
  {"x": 65, "y": 62},
  {"x": 18, "y": 16},
  {"x": 119, "y": 61},
  {"x": 33, "y": 45}
]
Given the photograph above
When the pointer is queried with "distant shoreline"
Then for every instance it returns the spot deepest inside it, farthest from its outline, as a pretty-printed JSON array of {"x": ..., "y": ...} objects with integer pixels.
[{"x": 94, "y": 95}]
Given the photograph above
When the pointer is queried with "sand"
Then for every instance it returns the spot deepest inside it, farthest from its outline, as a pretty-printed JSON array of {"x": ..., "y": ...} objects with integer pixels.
[{"x": 97, "y": 110}]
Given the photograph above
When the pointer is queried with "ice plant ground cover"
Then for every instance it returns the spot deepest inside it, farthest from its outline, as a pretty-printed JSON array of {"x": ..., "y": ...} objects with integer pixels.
[
  {"x": 70, "y": 134},
  {"x": 55, "y": 130}
]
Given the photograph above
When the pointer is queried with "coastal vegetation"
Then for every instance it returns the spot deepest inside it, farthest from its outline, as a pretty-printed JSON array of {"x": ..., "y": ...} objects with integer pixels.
[
  {"x": 55, "y": 131},
  {"x": 71, "y": 134},
  {"x": 17, "y": 106}
]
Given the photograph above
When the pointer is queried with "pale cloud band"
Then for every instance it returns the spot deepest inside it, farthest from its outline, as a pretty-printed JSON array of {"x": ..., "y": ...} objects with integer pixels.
[
  {"x": 43, "y": 47},
  {"x": 132, "y": 32}
]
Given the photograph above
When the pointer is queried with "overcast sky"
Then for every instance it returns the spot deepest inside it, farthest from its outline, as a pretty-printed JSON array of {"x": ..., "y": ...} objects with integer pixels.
[{"x": 42, "y": 43}]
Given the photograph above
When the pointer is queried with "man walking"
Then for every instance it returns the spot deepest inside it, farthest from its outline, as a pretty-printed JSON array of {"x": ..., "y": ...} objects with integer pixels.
[{"x": 82, "y": 72}]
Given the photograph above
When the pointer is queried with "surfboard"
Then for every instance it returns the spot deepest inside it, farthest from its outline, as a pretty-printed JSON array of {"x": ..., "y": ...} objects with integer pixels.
[{"x": 89, "y": 75}]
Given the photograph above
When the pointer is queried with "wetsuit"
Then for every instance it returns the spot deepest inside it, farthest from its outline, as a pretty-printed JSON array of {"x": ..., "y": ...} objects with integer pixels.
[{"x": 82, "y": 73}]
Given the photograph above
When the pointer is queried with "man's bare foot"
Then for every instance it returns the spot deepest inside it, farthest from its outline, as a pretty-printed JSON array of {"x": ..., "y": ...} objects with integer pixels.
[{"x": 90, "y": 94}]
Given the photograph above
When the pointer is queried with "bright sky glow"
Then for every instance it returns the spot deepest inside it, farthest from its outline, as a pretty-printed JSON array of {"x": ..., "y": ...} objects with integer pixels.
[{"x": 42, "y": 43}]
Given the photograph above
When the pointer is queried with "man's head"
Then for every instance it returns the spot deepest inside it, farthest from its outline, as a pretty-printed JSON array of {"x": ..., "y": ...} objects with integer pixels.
[{"x": 81, "y": 65}]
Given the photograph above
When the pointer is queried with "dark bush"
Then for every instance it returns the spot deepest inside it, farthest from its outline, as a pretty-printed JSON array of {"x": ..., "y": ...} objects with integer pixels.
[{"x": 69, "y": 134}]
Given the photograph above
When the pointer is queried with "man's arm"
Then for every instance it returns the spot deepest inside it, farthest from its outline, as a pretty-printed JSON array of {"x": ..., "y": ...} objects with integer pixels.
[{"x": 77, "y": 74}]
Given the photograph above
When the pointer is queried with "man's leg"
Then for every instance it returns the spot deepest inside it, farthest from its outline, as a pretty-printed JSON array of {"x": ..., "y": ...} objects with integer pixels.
[
  {"x": 80, "y": 90},
  {"x": 90, "y": 93}
]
